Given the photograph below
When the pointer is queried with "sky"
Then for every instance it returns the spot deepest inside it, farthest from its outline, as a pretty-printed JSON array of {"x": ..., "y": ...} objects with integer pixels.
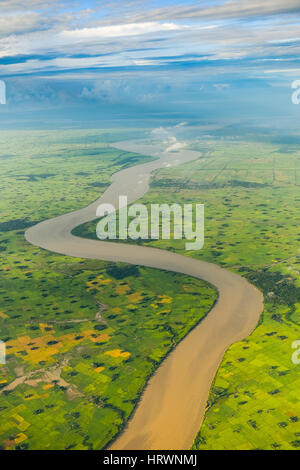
[{"x": 79, "y": 62}]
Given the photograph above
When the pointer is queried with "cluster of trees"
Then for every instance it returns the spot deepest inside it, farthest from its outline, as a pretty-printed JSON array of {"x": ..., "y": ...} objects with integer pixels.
[{"x": 121, "y": 271}]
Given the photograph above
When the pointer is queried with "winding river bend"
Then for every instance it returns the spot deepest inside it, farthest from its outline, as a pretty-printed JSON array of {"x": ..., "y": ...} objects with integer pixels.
[{"x": 172, "y": 407}]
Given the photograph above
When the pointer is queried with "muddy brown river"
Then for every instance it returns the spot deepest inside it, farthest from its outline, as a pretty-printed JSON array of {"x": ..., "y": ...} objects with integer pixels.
[{"x": 172, "y": 406}]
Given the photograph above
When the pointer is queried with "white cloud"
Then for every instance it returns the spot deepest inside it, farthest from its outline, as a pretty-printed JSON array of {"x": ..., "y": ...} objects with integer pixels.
[
  {"x": 131, "y": 29},
  {"x": 15, "y": 24},
  {"x": 175, "y": 145},
  {"x": 143, "y": 62},
  {"x": 147, "y": 40},
  {"x": 225, "y": 10},
  {"x": 167, "y": 137},
  {"x": 287, "y": 71},
  {"x": 221, "y": 86}
]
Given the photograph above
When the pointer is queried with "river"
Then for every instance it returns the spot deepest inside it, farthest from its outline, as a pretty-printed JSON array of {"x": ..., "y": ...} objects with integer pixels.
[{"x": 173, "y": 403}]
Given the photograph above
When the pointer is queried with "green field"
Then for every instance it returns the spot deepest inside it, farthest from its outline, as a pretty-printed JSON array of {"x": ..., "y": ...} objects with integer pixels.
[
  {"x": 252, "y": 201},
  {"x": 82, "y": 337}
]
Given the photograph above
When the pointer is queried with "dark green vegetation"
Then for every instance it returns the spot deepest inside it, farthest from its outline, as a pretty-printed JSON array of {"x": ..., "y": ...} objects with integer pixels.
[
  {"x": 82, "y": 337},
  {"x": 252, "y": 205}
]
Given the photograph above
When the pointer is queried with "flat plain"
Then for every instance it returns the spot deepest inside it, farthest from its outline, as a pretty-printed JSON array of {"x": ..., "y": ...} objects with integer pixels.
[
  {"x": 82, "y": 337},
  {"x": 251, "y": 195}
]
